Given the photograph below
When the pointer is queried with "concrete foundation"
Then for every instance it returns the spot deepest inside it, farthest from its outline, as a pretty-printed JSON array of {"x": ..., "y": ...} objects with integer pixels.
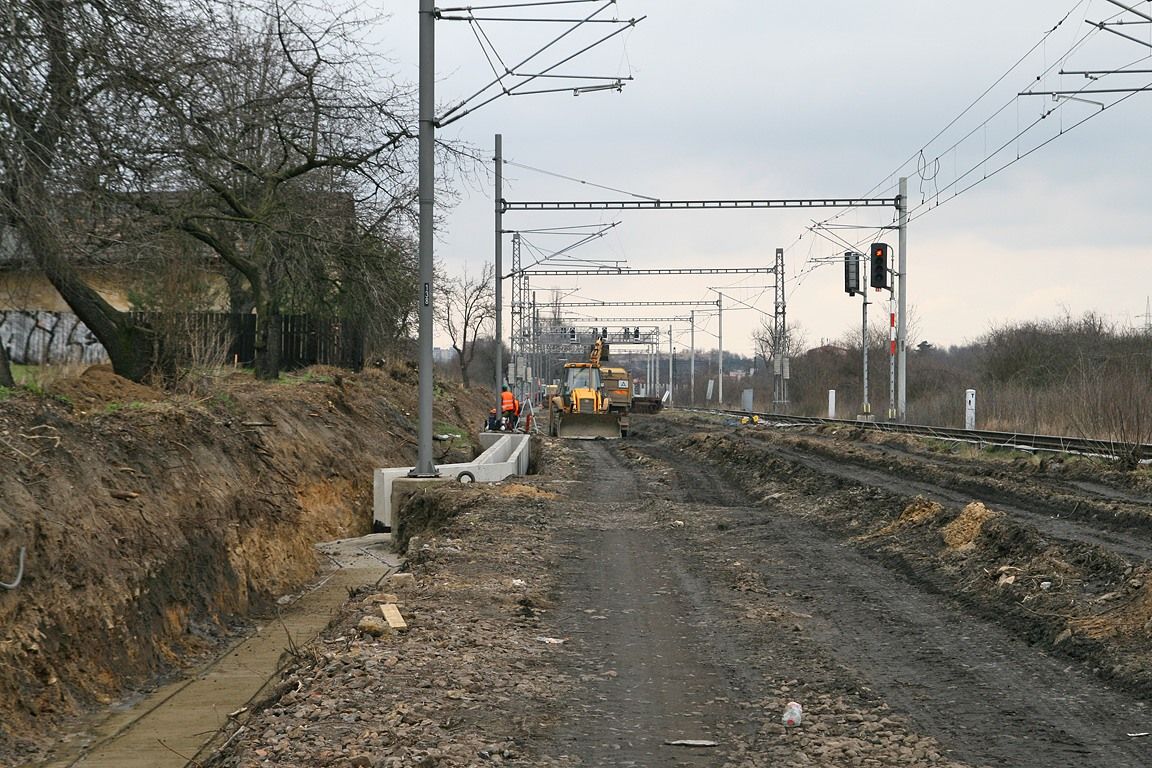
[{"x": 505, "y": 454}]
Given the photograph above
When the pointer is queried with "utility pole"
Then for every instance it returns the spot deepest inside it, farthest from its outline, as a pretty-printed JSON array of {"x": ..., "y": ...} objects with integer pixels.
[
  {"x": 427, "y": 169},
  {"x": 866, "y": 406},
  {"x": 670, "y": 356},
  {"x": 692, "y": 360},
  {"x": 720, "y": 356},
  {"x": 535, "y": 357},
  {"x": 499, "y": 256},
  {"x": 649, "y": 387},
  {"x": 892, "y": 345},
  {"x": 428, "y": 15},
  {"x": 781, "y": 365},
  {"x": 902, "y": 330},
  {"x": 656, "y": 355}
]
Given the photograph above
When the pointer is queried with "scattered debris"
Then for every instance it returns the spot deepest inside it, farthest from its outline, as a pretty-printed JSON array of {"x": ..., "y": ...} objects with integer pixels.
[
  {"x": 373, "y": 625},
  {"x": 692, "y": 743},
  {"x": 793, "y": 715},
  {"x": 401, "y": 582}
]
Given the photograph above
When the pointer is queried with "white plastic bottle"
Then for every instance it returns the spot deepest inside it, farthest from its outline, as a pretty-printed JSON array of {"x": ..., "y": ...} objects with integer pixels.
[{"x": 793, "y": 715}]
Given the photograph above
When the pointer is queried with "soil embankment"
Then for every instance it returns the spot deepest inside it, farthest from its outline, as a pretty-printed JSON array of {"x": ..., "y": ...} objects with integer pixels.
[{"x": 156, "y": 527}]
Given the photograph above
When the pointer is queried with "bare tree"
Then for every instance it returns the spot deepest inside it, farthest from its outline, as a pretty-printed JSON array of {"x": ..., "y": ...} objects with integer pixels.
[
  {"x": 295, "y": 163},
  {"x": 766, "y": 341},
  {"x": 63, "y": 69},
  {"x": 467, "y": 305}
]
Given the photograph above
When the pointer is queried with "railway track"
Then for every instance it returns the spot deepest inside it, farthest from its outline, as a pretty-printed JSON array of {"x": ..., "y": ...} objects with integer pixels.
[{"x": 1117, "y": 449}]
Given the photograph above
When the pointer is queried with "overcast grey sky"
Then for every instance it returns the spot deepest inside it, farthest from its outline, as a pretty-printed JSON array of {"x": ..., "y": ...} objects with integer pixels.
[{"x": 768, "y": 99}]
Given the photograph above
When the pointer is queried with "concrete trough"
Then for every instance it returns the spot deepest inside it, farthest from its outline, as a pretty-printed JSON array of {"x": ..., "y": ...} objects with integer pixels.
[{"x": 505, "y": 454}]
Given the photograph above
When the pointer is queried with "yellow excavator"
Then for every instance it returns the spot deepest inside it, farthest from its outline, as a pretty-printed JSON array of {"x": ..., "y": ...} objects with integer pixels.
[{"x": 580, "y": 409}]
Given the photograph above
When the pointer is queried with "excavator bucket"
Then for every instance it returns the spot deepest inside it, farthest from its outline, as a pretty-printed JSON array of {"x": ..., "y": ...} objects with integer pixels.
[{"x": 589, "y": 426}]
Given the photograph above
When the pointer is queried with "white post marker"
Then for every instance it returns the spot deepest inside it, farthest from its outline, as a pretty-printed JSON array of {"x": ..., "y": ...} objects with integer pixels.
[
  {"x": 831, "y": 403},
  {"x": 970, "y": 409}
]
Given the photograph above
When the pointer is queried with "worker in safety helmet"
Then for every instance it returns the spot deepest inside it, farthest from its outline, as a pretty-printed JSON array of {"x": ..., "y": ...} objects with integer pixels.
[{"x": 493, "y": 422}]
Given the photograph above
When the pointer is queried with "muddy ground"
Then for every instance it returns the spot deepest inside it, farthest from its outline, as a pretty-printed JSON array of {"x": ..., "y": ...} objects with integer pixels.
[
  {"x": 928, "y": 605},
  {"x": 156, "y": 527}
]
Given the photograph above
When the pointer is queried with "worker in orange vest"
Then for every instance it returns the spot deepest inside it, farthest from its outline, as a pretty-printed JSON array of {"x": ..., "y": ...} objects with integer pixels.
[{"x": 509, "y": 408}]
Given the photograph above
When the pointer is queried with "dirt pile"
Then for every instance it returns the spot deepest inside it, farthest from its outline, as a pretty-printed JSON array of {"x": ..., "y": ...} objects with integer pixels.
[
  {"x": 963, "y": 530},
  {"x": 153, "y": 526}
]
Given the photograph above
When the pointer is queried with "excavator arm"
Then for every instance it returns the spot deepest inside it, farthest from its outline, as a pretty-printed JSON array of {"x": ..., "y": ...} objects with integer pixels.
[{"x": 596, "y": 353}]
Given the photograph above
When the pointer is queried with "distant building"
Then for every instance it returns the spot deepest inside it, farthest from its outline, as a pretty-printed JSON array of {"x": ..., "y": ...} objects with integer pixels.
[{"x": 829, "y": 350}]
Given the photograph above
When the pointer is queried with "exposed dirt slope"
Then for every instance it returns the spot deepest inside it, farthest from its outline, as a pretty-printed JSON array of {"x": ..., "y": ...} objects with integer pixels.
[{"x": 154, "y": 526}]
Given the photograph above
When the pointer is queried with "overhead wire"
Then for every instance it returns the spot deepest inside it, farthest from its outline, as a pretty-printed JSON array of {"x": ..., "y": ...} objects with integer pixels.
[
  {"x": 558, "y": 175},
  {"x": 1003, "y": 76},
  {"x": 1015, "y": 139},
  {"x": 486, "y": 46},
  {"x": 808, "y": 266},
  {"x": 920, "y": 157},
  {"x": 933, "y": 201},
  {"x": 462, "y": 107},
  {"x": 1039, "y": 146}
]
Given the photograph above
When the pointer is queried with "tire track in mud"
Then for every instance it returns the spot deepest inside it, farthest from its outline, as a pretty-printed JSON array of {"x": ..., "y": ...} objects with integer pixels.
[
  {"x": 974, "y": 686},
  {"x": 633, "y": 616},
  {"x": 982, "y": 691}
]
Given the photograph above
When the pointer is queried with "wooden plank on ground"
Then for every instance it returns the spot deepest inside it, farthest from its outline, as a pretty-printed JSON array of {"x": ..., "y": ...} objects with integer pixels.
[{"x": 392, "y": 616}]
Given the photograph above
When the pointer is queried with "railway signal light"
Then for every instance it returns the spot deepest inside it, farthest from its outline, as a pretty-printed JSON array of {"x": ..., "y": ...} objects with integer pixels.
[
  {"x": 879, "y": 258},
  {"x": 852, "y": 273},
  {"x": 603, "y": 333},
  {"x": 635, "y": 333},
  {"x": 572, "y": 333}
]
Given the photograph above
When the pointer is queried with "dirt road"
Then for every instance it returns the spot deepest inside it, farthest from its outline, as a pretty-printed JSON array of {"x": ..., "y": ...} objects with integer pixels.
[{"x": 636, "y": 594}]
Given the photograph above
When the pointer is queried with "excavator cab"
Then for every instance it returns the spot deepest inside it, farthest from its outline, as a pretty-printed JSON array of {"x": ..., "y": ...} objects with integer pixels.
[{"x": 582, "y": 389}]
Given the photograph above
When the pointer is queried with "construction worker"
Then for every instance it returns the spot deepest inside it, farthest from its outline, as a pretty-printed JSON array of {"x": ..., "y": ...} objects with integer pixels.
[
  {"x": 508, "y": 408},
  {"x": 493, "y": 422}
]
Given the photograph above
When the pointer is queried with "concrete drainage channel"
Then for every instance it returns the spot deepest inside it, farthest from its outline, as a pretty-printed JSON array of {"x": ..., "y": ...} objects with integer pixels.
[{"x": 170, "y": 727}]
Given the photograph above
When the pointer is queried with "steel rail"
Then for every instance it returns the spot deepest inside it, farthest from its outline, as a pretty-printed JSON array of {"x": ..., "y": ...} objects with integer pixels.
[{"x": 1116, "y": 449}]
